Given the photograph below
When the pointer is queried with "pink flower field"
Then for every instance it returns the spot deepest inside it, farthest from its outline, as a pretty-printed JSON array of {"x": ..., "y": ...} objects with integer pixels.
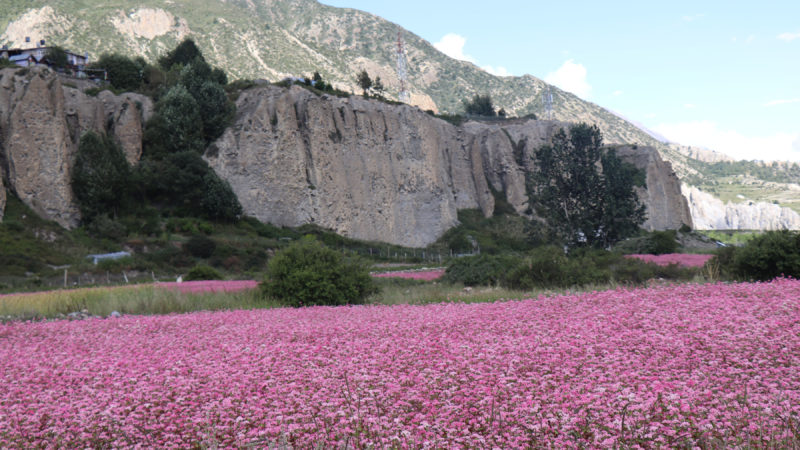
[
  {"x": 683, "y": 259},
  {"x": 693, "y": 365},
  {"x": 426, "y": 275}
]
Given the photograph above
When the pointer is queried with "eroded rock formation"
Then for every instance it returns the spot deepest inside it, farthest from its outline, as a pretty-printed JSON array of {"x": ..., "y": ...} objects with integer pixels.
[
  {"x": 710, "y": 213},
  {"x": 41, "y": 121}
]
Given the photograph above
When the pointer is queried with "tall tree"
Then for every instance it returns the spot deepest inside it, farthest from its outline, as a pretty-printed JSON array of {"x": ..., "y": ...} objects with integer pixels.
[
  {"x": 183, "y": 54},
  {"x": 100, "y": 176},
  {"x": 364, "y": 82},
  {"x": 586, "y": 196}
]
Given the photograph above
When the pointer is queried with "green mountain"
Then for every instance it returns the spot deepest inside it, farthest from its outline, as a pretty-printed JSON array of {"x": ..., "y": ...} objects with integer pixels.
[{"x": 273, "y": 39}]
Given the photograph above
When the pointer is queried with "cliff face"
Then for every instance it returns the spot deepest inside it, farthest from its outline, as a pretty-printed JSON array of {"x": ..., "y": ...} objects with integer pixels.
[
  {"x": 390, "y": 173},
  {"x": 361, "y": 168},
  {"x": 41, "y": 121},
  {"x": 366, "y": 169},
  {"x": 710, "y": 213}
]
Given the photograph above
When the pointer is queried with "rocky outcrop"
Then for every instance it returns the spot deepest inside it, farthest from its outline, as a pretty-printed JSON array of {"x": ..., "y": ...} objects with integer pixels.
[
  {"x": 359, "y": 167},
  {"x": 390, "y": 173},
  {"x": 667, "y": 208},
  {"x": 41, "y": 121},
  {"x": 710, "y": 213}
]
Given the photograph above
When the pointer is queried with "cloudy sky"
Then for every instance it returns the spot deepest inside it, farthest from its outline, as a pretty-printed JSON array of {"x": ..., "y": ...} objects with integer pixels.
[{"x": 720, "y": 74}]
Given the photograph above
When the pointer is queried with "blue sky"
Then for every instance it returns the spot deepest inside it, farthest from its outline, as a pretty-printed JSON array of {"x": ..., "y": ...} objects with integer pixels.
[{"x": 719, "y": 74}]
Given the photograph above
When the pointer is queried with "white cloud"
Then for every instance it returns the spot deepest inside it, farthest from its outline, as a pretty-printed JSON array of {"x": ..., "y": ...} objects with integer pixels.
[
  {"x": 570, "y": 77},
  {"x": 788, "y": 37},
  {"x": 499, "y": 71},
  {"x": 617, "y": 93},
  {"x": 692, "y": 17},
  {"x": 452, "y": 45},
  {"x": 689, "y": 106},
  {"x": 781, "y": 146},
  {"x": 782, "y": 102}
]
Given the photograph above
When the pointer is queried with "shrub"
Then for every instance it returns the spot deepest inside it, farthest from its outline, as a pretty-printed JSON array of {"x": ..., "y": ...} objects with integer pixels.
[
  {"x": 203, "y": 273},
  {"x": 663, "y": 242},
  {"x": 480, "y": 105},
  {"x": 200, "y": 246},
  {"x": 307, "y": 273},
  {"x": 773, "y": 254},
  {"x": 103, "y": 226},
  {"x": 123, "y": 72},
  {"x": 482, "y": 270},
  {"x": 57, "y": 57}
]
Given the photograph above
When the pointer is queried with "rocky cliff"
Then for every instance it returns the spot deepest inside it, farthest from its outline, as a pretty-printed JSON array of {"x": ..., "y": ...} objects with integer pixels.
[
  {"x": 366, "y": 169},
  {"x": 710, "y": 213},
  {"x": 390, "y": 173},
  {"x": 41, "y": 121}
]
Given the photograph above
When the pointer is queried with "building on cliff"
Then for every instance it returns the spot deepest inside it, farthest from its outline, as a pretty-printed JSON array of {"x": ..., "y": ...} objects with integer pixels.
[{"x": 36, "y": 56}]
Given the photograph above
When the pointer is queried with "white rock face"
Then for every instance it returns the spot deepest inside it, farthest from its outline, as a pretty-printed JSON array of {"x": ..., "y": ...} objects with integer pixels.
[{"x": 710, "y": 213}]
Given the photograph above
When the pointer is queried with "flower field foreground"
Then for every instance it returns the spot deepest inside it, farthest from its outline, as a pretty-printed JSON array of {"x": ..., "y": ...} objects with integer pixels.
[
  {"x": 666, "y": 366},
  {"x": 426, "y": 275},
  {"x": 683, "y": 259}
]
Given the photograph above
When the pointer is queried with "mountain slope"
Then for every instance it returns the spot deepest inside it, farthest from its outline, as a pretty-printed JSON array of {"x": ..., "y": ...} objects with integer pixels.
[{"x": 276, "y": 38}]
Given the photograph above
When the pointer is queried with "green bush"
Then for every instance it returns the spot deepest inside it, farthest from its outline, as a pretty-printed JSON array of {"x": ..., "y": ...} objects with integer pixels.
[
  {"x": 663, "y": 242},
  {"x": 482, "y": 270},
  {"x": 307, "y": 273},
  {"x": 203, "y": 273},
  {"x": 770, "y": 255},
  {"x": 200, "y": 246},
  {"x": 123, "y": 72},
  {"x": 103, "y": 226},
  {"x": 550, "y": 267}
]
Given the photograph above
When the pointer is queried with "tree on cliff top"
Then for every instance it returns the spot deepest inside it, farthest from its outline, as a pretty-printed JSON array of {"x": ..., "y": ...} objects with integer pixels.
[
  {"x": 480, "y": 105},
  {"x": 586, "y": 195},
  {"x": 364, "y": 82}
]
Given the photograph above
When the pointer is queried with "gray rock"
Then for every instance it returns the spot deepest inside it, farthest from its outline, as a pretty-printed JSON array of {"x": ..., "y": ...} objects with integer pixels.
[{"x": 390, "y": 173}]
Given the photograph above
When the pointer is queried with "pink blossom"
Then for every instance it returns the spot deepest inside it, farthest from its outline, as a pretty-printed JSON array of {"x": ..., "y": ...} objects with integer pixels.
[{"x": 661, "y": 367}]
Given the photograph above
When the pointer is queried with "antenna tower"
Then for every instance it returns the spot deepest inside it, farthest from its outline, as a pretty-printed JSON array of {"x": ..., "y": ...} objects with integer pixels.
[
  {"x": 547, "y": 100},
  {"x": 402, "y": 73}
]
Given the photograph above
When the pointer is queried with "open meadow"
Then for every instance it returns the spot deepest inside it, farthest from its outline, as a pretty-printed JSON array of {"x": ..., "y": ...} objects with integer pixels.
[{"x": 709, "y": 365}]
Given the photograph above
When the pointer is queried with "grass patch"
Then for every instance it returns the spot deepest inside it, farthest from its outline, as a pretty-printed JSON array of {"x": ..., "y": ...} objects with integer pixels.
[{"x": 141, "y": 299}]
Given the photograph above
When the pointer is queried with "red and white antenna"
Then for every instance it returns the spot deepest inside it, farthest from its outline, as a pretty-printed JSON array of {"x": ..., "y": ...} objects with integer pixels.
[{"x": 402, "y": 72}]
